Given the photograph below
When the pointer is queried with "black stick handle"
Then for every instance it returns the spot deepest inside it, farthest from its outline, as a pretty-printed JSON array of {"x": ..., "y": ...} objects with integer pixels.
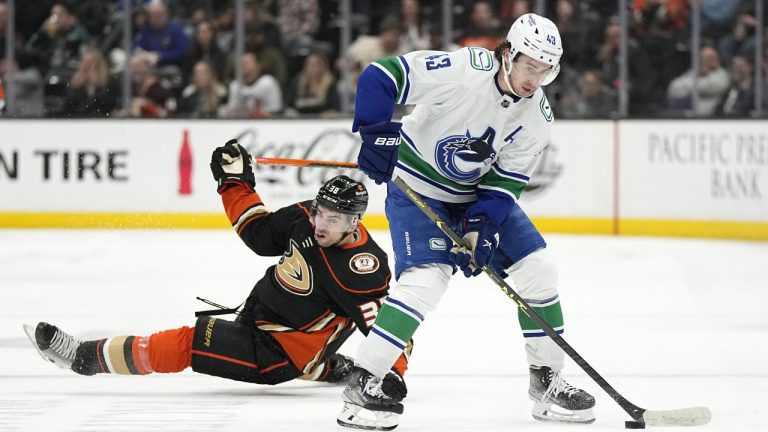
[{"x": 633, "y": 410}]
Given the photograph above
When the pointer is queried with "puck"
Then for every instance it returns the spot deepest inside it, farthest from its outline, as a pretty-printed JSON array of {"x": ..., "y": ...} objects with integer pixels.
[{"x": 634, "y": 425}]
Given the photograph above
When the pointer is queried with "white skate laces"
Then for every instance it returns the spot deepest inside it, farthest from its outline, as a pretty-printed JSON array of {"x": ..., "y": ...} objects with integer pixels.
[
  {"x": 64, "y": 346},
  {"x": 59, "y": 350},
  {"x": 367, "y": 406},
  {"x": 560, "y": 402},
  {"x": 558, "y": 385},
  {"x": 373, "y": 387}
]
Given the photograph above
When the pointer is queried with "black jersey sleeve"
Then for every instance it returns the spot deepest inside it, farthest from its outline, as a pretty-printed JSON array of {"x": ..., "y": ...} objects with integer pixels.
[{"x": 264, "y": 232}]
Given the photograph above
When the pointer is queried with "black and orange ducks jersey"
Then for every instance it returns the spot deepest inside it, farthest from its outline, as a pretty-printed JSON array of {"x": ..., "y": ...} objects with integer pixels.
[{"x": 314, "y": 297}]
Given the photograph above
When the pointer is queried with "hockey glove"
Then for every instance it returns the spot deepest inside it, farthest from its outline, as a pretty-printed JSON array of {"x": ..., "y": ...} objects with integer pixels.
[
  {"x": 231, "y": 165},
  {"x": 378, "y": 154},
  {"x": 480, "y": 242},
  {"x": 393, "y": 385}
]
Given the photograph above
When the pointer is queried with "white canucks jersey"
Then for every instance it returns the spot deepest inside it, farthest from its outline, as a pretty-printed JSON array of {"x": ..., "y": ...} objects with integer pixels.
[{"x": 464, "y": 132}]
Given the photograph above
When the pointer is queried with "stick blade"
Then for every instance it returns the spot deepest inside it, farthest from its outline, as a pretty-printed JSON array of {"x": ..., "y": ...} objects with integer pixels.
[{"x": 695, "y": 416}]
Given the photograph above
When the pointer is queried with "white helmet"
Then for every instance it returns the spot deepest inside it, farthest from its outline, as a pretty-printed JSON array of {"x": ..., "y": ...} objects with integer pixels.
[{"x": 538, "y": 38}]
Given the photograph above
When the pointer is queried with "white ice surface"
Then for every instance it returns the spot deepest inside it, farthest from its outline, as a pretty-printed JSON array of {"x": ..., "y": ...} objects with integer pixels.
[{"x": 670, "y": 323}]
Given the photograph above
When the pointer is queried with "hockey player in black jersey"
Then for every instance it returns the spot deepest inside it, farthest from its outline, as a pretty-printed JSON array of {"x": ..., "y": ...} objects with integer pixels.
[{"x": 329, "y": 280}]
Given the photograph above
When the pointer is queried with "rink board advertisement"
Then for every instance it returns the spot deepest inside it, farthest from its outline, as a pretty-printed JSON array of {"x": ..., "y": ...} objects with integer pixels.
[
  {"x": 700, "y": 178},
  {"x": 721, "y": 173},
  {"x": 157, "y": 173}
]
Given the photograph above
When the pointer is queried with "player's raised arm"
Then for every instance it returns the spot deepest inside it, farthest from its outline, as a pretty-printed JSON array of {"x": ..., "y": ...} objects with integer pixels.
[{"x": 232, "y": 169}]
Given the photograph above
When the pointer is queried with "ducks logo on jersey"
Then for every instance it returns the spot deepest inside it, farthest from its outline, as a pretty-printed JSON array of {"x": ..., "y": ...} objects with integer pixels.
[
  {"x": 293, "y": 273},
  {"x": 461, "y": 157}
]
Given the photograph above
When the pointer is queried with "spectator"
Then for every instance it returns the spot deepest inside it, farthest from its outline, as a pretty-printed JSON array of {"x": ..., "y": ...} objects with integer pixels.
[
  {"x": 712, "y": 84},
  {"x": 259, "y": 94},
  {"x": 270, "y": 58},
  {"x": 89, "y": 93},
  {"x": 739, "y": 99},
  {"x": 225, "y": 28},
  {"x": 641, "y": 78},
  {"x": 260, "y": 15},
  {"x": 93, "y": 14},
  {"x": 152, "y": 97},
  {"x": 594, "y": 99},
  {"x": 718, "y": 17},
  {"x": 347, "y": 88},
  {"x": 55, "y": 48},
  {"x": 29, "y": 15},
  {"x": 313, "y": 91},
  {"x": 204, "y": 48},
  {"x": 204, "y": 96},
  {"x": 163, "y": 37},
  {"x": 579, "y": 31},
  {"x": 297, "y": 18},
  {"x": 112, "y": 36},
  {"x": 365, "y": 49},
  {"x": 743, "y": 34},
  {"x": 510, "y": 10},
  {"x": 484, "y": 29},
  {"x": 661, "y": 27},
  {"x": 415, "y": 35}
]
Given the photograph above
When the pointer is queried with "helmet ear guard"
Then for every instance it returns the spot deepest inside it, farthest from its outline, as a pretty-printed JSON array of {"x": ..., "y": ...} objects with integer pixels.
[{"x": 552, "y": 75}]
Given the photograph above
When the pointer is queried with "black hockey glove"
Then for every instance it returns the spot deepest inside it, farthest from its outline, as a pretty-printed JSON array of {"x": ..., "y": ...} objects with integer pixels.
[
  {"x": 231, "y": 165},
  {"x": 393, "y": 385}
]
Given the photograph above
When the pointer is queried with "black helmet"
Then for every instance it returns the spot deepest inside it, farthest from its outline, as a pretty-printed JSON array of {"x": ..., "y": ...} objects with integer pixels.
[{"x": 344, "y": 195}]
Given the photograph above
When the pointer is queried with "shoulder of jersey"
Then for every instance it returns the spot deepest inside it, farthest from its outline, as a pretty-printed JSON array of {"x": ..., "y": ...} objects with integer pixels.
[
  {"x": 302, "y": 209},
  {"x": 478, "y": 59},
  {"x": 476, "y": 66},
  {"x": 365, "y": 269},
  {"x": 543, "y": 109}
]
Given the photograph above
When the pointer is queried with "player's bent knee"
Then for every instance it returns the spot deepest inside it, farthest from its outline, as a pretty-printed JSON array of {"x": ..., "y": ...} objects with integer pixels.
[
  {"x": 236, "y": 351},
  {"x": 536, "y": 275},
  {"x": 421, "y": 287}
]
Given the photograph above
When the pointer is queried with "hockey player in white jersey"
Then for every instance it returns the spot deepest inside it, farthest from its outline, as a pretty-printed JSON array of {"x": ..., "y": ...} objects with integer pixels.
[{"x": 469, "y": 147}]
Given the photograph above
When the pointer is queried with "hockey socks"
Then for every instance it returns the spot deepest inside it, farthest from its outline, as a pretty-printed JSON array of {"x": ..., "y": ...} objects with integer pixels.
[
  {"x": 540, "y": 349},
  {"x": 549, "y": 309},
  {"x": 389, "y": 337},
  {"x": 167, "y": 351}
]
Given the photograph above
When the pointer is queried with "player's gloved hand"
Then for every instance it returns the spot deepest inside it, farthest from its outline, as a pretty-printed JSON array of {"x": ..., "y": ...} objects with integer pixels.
[
  {"x": 231, "y": 165},
  {"x": 481, "y": 240},
  {"x": 378, "y": 154},
  {"x": 393, "y": 385}
]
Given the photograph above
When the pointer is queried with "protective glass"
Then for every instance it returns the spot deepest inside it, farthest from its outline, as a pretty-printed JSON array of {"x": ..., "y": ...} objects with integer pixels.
[{"x": 325, "y": 219}]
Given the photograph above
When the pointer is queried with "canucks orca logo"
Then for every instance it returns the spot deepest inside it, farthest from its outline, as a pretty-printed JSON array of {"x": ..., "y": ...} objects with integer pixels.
[{"x": 461, "y": 157}]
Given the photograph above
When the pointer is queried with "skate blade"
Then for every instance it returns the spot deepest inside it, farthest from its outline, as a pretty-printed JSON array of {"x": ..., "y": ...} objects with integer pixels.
[
  {"x": 357, "y": 417},
  {"x": 30, "y": 331},
  {"x": 544, "y": 412}
]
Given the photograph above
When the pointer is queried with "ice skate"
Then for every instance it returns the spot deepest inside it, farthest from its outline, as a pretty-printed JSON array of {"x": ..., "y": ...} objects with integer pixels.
[
  {"x": 549, "y": 390},
  {"x": 53, "y": 344},
  {"x": 366, "y": 406},
  {"x": 341, "y": 368}
]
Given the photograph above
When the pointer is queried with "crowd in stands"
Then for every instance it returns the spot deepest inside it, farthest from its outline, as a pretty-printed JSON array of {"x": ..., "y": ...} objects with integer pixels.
[{"x": 69, "y": 57}]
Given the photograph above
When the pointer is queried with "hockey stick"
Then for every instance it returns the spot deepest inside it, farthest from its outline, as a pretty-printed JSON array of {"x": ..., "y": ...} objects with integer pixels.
[
  {"x": 303, "y": 162},
  {"x": 680, "y": 417}
]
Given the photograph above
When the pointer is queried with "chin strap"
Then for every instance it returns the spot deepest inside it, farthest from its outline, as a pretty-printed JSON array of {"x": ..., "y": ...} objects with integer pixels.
[{"x": 507, "y": 70}]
